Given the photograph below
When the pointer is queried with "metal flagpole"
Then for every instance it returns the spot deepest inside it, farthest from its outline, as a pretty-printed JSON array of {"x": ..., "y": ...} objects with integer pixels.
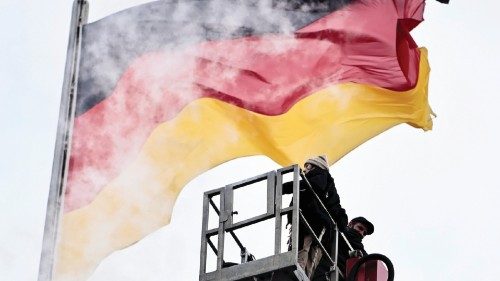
[{"x": 63, "y": 140}]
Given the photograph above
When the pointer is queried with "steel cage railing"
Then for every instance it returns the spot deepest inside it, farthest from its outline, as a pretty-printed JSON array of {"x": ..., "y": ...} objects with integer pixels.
[{"x": 274, "y": 210}]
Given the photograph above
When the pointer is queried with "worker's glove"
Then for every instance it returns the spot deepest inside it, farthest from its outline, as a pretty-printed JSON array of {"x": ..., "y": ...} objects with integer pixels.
[{"x": 355, "y": 254}]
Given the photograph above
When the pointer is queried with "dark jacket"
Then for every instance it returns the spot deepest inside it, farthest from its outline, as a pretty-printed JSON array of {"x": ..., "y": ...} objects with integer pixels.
[
  {"x": 343, "y": 254},
  {"x": 356, "y": 242},
  {"x": 322, "y": 183}
]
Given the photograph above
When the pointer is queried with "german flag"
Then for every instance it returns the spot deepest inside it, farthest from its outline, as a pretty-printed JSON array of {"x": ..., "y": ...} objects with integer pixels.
[{"x": 170, "y": 89}]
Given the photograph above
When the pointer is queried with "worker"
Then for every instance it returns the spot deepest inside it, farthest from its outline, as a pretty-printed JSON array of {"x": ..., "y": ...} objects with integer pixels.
[
  {"x": 317, "y": 174},
  {"x": 355, "y": 231}
]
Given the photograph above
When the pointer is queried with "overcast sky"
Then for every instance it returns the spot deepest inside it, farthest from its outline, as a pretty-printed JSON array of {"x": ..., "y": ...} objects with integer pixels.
[{"x": 433, "y": 196}]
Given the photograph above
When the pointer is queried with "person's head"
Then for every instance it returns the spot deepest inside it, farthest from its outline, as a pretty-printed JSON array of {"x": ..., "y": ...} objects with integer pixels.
[
  {"x": 316, "y": 162},
  {"x": 362, "y": 226}
]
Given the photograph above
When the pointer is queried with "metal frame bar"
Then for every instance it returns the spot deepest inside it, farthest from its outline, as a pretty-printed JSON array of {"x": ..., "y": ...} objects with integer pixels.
[
  {"x": 334, "y": 269},
  {"x": 236, "y": 239},
  {"x": 316, "y": 238},
  {"x": 325, "y": 252},
  {"x": 295, "y": 211},
  {"x": 274, "y": 181},
  {"x": 249, "y": 221},
  {"x": 204, "y": 237},
  {"x": 63, "y": 141},
  {"x": 229, "y": 193},
  {"x": 277, "y": 213},
  {"x": 280, "y": 261},
  {"x": 220, "y": 244},
  {"x": 253, "y": 268}
]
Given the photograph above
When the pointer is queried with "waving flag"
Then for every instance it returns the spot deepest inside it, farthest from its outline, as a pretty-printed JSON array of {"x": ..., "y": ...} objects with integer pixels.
[{"x": 168, "y": 90}]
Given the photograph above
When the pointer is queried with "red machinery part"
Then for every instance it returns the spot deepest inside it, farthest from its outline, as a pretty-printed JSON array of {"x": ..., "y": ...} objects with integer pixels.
[{"x": 372, "y": 270}]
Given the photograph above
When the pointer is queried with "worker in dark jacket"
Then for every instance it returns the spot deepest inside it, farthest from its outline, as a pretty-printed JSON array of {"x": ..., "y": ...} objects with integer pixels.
[
  {"x": 317, "y": 174},
  {"x": 355, "y": 231}
]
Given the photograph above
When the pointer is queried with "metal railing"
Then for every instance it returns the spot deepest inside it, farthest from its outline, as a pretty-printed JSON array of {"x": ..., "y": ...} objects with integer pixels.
[
  {"x": 335, "y": 272},
  {"x": 279, "y": 264}
]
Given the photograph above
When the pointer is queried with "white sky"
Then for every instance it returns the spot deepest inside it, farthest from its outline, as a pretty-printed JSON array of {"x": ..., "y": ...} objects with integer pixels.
[{"x": 433, "y": 196}]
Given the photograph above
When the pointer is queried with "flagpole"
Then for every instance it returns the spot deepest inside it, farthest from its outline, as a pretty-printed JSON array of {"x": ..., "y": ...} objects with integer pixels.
[{"x": 63, "y": 141}]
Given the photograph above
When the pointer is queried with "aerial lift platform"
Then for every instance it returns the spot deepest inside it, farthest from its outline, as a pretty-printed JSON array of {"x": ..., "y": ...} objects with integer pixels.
[{"x": 281, "y": 265}]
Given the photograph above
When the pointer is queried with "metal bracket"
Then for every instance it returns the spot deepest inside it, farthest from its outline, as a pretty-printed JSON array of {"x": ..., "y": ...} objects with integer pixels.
[
  {"x": 300, "y": 274},
  {"x": 224, "y": 216}
]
